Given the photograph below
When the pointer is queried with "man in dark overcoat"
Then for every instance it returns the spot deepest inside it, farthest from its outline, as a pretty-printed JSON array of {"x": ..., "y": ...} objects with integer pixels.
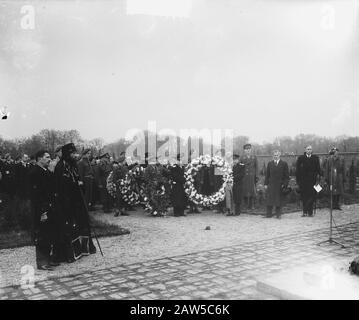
[
  {"x": 307, "y": 176},
  {"x": 277, "y": 177},
  {"x": 71, "y": 211},
  {"x": 42, "y": 204},
  {"x": 178, "y": 194}
]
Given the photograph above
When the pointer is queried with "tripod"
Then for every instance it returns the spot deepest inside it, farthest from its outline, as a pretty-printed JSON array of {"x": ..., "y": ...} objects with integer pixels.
[{"x": 331, "y": 240}]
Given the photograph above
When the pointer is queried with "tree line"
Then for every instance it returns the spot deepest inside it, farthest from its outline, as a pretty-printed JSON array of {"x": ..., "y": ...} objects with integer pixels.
[{"x": 50, "y": 139}]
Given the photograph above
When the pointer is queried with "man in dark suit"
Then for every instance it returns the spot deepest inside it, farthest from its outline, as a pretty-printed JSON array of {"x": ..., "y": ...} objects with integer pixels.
[
  {"x": 42, "y": 196},
  {"x": 277, "y": 177},
  {"x": 307, "y": 175}
]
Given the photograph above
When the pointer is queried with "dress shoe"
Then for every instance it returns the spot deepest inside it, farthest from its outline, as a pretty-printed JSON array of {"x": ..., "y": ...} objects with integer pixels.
[
  {"x": 46, "y": 268},
  {"x": 229, "y": 214},
  {"x": 124, "y": 214},
  {"x": 54, "y": 264},
  {"x": 70, "y": 260}
]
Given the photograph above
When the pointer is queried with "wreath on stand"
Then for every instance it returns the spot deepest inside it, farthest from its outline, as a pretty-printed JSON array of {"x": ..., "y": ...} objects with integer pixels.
[
  {"x": 157, "y": 190},
  {"x": 192, "y": 169},
  {"x": 130, "y": 188}
]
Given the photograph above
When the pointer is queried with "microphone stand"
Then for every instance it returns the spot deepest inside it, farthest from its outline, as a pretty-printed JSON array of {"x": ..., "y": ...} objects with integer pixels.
[{"x": 331, "y": 240}]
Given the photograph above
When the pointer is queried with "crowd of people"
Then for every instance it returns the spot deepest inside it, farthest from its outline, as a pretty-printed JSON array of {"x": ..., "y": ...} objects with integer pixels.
[{"x": 65, "y": 188}]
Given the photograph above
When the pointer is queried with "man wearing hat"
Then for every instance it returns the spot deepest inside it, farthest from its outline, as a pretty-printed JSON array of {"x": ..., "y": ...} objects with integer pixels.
[
  {"x": 87, "y": 176},
  {"x": 307, "y": 175},
  {"x": 178, "y": 194},
  {"x": 74, "y": 238},
  {"x": 105, "y": 169},
  {"x": 250, "y": 175},
  {"x": 334, "y": 174}
]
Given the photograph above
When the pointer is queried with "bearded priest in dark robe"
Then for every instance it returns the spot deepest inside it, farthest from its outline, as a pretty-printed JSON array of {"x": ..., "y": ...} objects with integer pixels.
[{"x": 72, "y": 215}]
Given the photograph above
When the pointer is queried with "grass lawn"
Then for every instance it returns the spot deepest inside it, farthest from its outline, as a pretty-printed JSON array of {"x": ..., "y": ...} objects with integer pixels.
[{"x": 19, "y": 238}]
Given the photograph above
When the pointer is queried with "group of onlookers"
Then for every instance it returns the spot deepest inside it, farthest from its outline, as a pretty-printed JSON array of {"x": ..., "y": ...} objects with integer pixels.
[{"x": 64, "y": 188}]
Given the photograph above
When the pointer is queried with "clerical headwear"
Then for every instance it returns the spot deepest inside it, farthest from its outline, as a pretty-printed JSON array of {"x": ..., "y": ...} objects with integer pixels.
[{"x": 67, "y": 149}]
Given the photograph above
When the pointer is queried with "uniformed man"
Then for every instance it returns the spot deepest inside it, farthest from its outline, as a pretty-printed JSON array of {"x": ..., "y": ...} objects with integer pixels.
[
  {"x": 105, "y": 169},
  {"x": 334, "y": 174},
  {"x": 250, "y": 175},
  {"x": 87, "y": 176}
]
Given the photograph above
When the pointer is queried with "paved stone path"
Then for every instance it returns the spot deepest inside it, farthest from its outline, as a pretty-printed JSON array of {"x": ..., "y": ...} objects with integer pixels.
[{"x": 225, "y": 273}]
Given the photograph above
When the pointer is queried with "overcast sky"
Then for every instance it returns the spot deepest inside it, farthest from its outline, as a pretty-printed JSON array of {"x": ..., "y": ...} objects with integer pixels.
[{"x": 264, "y": 68}]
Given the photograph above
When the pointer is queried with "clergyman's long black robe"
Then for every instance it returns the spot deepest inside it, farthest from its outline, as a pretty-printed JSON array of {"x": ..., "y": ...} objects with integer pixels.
[{"x": 72, "y": 215}]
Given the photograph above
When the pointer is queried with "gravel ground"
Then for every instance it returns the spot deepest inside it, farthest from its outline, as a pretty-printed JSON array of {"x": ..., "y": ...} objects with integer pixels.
[{"x": 159, "y": 237}]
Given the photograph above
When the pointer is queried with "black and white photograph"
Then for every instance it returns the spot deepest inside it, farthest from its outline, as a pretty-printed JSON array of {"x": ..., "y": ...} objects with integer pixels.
[{"x": 193, "y": 153}]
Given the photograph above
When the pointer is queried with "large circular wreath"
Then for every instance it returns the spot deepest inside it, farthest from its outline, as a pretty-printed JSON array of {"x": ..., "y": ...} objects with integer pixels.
[
  {"x": 192, "y": 169},
  {"x": 130, "y": 188}
]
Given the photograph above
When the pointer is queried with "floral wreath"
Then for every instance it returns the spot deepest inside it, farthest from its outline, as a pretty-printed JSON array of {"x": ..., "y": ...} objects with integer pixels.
[
  {"x": 156, "y": 191},
  {"x": 130, "y": 187},
  {"x": 192, "y": 169}
]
